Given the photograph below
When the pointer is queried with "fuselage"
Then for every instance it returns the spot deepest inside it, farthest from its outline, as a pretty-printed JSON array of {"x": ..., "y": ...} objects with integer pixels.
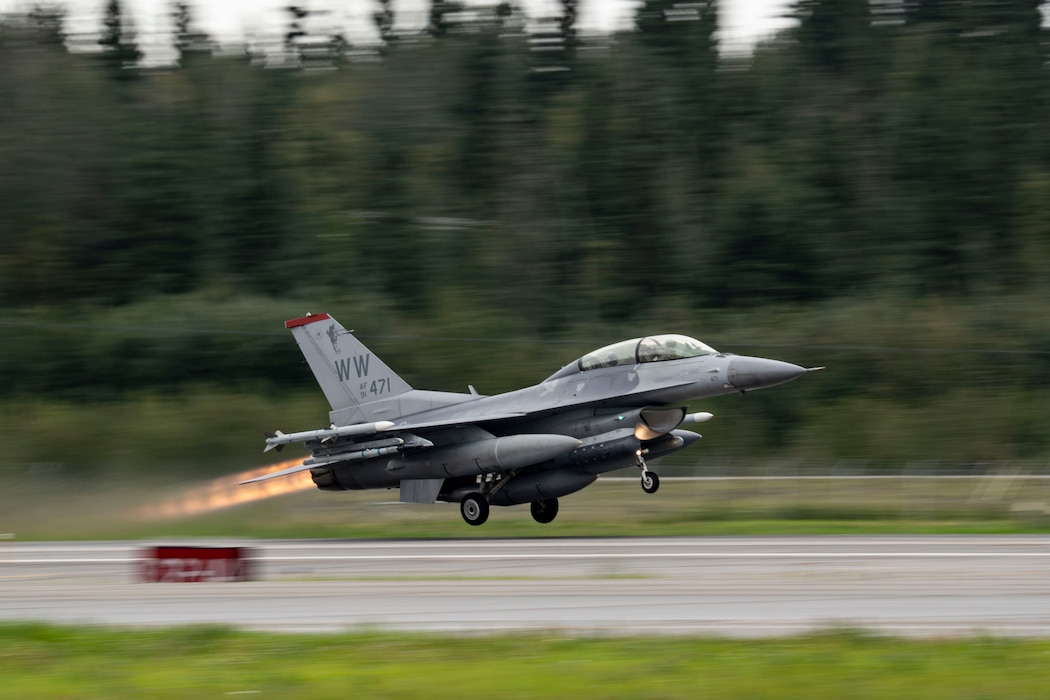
[
  {"x": 614, "y": 407},
  {"x": 597, "y": 406},
  {"x": 638, "y": 385}
]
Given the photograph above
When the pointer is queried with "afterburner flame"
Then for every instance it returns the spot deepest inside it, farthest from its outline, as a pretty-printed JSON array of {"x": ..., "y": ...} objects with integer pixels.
[{"x": 227, "y": 491}]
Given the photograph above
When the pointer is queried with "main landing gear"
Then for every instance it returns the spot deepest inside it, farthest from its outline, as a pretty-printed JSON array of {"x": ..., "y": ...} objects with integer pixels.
[
  {"x": 545, "y": 511},
  {"x": 650, "y": 480},
  {"x": 474, "y": 509}
]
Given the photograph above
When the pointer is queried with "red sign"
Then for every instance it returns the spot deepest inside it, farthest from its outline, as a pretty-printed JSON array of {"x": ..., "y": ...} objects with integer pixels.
[{"x": 192, "y": 564}]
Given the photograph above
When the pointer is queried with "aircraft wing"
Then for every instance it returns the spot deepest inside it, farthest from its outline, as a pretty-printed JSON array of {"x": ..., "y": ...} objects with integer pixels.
[
  {"x": 381, "y": 440},
  {"x": 378, "y": 429},
  {"x": 409, "y": 425}
]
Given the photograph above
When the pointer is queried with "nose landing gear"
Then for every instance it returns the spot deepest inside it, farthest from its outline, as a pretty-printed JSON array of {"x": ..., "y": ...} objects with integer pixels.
[{"x": 650, "y": 480}]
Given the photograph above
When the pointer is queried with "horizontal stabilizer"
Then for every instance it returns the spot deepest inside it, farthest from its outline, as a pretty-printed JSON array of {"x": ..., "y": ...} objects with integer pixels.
[{"x": 284, "y": 472}]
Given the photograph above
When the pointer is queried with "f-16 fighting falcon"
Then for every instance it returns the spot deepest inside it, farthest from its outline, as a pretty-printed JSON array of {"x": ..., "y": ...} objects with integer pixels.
[{"x": 612, "y": 408}]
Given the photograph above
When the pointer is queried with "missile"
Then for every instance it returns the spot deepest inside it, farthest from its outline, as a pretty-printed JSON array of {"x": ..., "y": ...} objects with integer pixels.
[
  {"x": 277, "y": 440},
  {"x": 361, "y": 451},
  {"x": 412, "y": 442},
  {"x": 701, "y": 417},
  {"x": 351, "y": 456},
  {"x": 481, "y": 456}
]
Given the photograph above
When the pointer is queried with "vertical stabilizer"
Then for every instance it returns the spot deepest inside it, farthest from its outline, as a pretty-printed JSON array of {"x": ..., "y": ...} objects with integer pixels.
[{"x": 349, "y": 374}]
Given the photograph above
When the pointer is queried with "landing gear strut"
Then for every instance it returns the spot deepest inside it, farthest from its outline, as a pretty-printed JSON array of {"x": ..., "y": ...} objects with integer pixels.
[
  {"x": 650, "y": 480},
  {"x": 545, "y": 511},
  {"x": 474, "y": 509}
]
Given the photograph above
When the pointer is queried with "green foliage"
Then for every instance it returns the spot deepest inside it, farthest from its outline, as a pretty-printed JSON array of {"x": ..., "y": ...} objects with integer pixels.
[
  {"x": 868, "y": 191},
  {"x": 46, "y": 661},
  {"x": 925, "y": 380},
  {"x": 162, "y": 501},
  {"x": 869, "y": 152},
  {"x": 120, "y": 54},
  {"x": 195, "y": 432}
]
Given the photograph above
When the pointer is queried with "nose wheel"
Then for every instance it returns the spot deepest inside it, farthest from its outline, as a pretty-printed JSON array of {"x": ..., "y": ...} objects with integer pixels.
[{"x": 650, "y": 480}]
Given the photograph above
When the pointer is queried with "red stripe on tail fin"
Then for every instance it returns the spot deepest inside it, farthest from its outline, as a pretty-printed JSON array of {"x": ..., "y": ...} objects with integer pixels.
[{"x": 308, "y": 318}]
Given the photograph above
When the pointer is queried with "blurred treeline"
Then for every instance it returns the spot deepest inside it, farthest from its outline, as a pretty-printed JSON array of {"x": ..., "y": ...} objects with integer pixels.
[{"x": 490, "y": 197}]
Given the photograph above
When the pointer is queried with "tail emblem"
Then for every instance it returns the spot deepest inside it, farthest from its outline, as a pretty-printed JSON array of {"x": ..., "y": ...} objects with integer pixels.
[{"x": 334, "y": 338}]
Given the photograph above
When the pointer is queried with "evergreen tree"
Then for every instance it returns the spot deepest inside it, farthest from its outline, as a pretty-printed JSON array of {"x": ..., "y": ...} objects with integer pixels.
[
  {"x": 384, "y": 21},
  {"x": 833, "y": 33},
  {"x": 567, "y": 21},
  {"x": 188, "y": 40},
  {"x": 48, "y": 21},
  {"x": 437, "y": 23},
  {"x": 120, "y": 53}
]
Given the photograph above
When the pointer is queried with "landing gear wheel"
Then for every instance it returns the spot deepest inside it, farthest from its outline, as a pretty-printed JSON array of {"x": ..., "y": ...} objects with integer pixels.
[
  {"x": 474, "y": 509},
  {"x": 545, "y": 511},
  {"x": 650, "y": 482}
]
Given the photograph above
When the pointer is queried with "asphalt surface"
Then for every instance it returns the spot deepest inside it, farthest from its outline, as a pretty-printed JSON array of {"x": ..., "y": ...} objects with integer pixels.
[{"x": 730, "y": 586}]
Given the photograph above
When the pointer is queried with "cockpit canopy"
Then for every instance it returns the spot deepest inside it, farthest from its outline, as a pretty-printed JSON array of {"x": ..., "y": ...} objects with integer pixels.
[{"x": 653, "y": 348}]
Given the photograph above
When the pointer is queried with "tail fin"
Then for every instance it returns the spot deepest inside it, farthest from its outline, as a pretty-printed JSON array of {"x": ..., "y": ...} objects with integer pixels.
[{"x": 349, "y": 374}]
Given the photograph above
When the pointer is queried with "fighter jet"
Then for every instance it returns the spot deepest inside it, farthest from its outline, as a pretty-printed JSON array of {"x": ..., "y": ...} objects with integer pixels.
[{"x": 613, "y": 408}]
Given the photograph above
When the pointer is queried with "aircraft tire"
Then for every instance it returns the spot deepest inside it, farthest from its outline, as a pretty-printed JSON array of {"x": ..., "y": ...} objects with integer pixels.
[
  {"x": 544, "y": 511},
  {"x": 650, "y": 482},
  {"x": 474, "y": 509}
]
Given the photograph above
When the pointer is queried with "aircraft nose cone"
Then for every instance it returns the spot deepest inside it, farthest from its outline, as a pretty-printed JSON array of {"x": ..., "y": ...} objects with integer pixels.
[{"x": 747, "y": 373}]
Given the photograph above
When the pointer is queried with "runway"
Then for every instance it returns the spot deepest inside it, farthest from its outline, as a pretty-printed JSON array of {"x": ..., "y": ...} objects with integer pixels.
[{"x": 729, "y": 586}]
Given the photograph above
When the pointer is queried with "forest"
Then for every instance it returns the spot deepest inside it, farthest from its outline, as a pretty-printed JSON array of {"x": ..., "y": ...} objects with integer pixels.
[{"x": 488, "y": 198}]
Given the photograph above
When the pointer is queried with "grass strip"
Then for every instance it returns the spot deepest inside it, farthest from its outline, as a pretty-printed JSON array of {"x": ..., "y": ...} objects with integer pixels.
[
  {"x": 43, "y": 661},
  {"x": 610, "y": 508}
]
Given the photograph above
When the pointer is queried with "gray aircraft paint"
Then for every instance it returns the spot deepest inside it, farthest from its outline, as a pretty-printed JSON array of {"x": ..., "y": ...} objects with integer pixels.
[{"x": 606, "y": 411}]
